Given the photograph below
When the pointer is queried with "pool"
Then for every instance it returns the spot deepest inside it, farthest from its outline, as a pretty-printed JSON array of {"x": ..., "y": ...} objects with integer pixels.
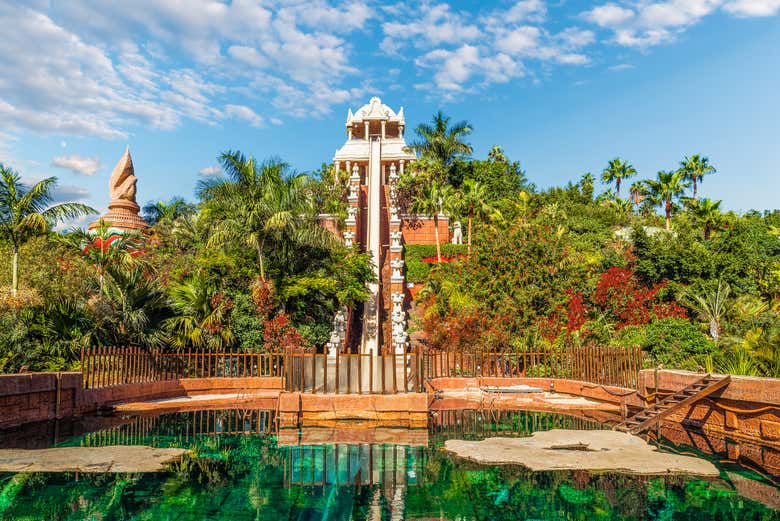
[{"x": 240, "y": 468}]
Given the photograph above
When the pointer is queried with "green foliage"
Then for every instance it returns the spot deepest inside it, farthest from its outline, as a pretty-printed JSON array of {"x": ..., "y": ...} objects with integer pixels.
[
  {"x": 677, "y": 343},
  {"x": 418, "y": 271}
]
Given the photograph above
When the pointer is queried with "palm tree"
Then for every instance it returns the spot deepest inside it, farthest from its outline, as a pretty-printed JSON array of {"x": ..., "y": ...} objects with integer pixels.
[
  {"x": 638, "y": 192},
  {"x": 170, "y": 211},
  {"x": 25, "y": 212},
  {"x": 664, "y": 190},
  {"x": 695, "y": 168},
  {"x": 616, "y": 171},
  {"x": 441, "y": 142},
  {"x": 497, "y": 155},
  {"x": 104, "y": 247},
  {"x": 201, "y": 316},
  {"x": 706, "y": 213},
  {"x": 259, "y": 203},
  {"x": 586, "y": 185},
  {"x": 473, "y": 195},
  {"x": 711, "y": 306},
  {"x": 431, "y": 201}
]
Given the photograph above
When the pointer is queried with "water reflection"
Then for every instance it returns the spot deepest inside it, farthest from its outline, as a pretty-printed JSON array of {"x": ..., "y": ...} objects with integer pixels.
[{"x": 241, "y": 467}]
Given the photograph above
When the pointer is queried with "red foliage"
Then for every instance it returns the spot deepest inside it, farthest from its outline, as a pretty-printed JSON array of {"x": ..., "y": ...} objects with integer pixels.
[
  {"x": 619, "y": 292},
  {"x": 576, "y": 312},
  {"x": 262, "y": 296},
  {"x": 280, "y": 336}
]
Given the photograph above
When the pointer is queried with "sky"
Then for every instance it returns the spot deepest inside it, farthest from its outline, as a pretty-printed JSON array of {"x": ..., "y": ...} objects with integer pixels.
[{"x": 562, "y": 85}]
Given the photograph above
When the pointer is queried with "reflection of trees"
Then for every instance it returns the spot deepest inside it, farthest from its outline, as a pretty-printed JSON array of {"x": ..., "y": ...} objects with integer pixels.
[{"x": 243, "y": 477}]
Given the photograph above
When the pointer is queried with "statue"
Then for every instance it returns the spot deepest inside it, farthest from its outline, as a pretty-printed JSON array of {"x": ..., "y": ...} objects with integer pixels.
[
  {"x": 349, "y": 237},
  {"x": 457, "y": 233},
  {"x": 123, "y": 209}
]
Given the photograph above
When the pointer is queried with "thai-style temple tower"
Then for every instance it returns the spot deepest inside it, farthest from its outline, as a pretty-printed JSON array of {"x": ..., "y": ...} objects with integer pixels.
[
  {"x": 123, "y": 210},
  {"x": 375, "y": 154}
]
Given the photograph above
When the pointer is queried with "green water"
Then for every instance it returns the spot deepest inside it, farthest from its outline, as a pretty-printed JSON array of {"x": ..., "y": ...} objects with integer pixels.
[{"x": 249, "y": 476}]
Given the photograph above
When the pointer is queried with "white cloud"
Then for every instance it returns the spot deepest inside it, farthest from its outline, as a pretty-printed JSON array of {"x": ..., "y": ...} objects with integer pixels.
[
  {"x": 645, "y": 23},
  {"x": 210, "y": 171},
  {"x": 78, "y": 164},
  {"x": 69, "y": 194},
  {"x": 527, "y": 11},
  {"x": 432, "y": 24},
  {"x": 608, "y": 15},
  {"x": 747, "y": 8},
  {"x": 245, "y": 113},
  {"x": 621, "y": 67}
]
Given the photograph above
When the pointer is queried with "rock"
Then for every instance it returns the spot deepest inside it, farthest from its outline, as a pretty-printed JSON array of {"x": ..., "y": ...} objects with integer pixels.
[
  {"x": 600, "y": 451},
  {"x": 118, "y": 458}
]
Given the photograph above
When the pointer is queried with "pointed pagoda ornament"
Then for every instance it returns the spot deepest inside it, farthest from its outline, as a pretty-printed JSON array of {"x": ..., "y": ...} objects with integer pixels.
[{"x": 123, "y": 210}]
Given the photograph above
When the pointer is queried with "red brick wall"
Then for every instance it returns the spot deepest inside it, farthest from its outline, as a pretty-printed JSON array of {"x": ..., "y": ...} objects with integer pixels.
[
  {"x": 32, "y": 397},
  {"x": 748, "y": 409},
  {"x": 421, "y": 230}
]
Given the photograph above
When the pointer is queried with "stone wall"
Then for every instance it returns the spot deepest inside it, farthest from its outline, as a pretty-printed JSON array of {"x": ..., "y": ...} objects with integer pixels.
[
  {"x": 396, "y": 410},
  {"x": 32, "y": 397},
  {"x": 747, "y": 409}
]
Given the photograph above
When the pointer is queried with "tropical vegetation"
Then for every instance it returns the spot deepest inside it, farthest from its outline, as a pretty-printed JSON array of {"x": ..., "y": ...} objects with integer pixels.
[{"x": 248, "y": 266}]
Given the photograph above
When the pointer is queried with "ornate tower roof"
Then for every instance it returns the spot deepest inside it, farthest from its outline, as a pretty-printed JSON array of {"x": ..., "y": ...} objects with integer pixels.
[{"x": 123, "y": 209}]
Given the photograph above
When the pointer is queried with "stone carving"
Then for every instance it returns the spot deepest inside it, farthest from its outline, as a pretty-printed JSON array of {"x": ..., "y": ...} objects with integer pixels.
[
  {"x": 393, "y": 174},
  {"x": 351, "y": 215},
  {"x": 397, "y": 265},
  {"x": 394, "y": 215},
  {"x": 338, "y": 332},
  {"x": 457, "y": 233},
  {"x": 123, "y": 209},
  {"x": 355, "y": 174},
  {"x": 349, "y": 237},
  {"x": 395, "y": 241}
]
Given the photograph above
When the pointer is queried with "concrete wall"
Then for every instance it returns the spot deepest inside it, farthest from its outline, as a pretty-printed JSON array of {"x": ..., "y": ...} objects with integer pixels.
[
  {"x": 33, "y": 397},
  {"x": 748, "y": 409}
]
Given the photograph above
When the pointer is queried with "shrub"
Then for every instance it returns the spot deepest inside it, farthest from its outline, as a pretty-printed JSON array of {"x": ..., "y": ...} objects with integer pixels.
[
  {"x": 677, "y": 343},
  {"x": 418, "y": 271}
]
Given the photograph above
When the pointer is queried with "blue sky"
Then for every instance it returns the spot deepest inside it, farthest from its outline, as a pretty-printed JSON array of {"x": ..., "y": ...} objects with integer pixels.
[{"x": 562, "y": 85}]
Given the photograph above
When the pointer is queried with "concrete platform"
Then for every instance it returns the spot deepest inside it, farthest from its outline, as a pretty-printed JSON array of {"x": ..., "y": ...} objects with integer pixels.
[{"x": 257, "y": 400}]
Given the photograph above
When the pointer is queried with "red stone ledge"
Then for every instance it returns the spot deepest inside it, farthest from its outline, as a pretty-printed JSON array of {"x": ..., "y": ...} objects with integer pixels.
[{"x": 604, "y": 393}]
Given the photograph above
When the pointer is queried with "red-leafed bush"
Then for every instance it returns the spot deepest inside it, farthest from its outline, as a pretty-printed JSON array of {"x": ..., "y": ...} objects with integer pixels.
[
  {"x": 280, "y": 336},
  {"x": 620, "y": 293}
]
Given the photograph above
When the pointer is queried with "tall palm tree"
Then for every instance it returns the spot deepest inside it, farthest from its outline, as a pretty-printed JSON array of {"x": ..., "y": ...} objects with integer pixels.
[
  {"x": 617, "y": 170},
  {"x": 695, "y": 168},
  {"x": 638, "y": 192},
  {"x": 26, "y": 211},
  {"x": 431, "y": 201},
  {"x": 664, "y": 190},
  {"x": 706, "y": 213},
  {"x": 159, "y": 211},
  {"x": 259, "y": 204},
  {"x": 473, "y": 196},
  {"x": 441, "y": 142}
]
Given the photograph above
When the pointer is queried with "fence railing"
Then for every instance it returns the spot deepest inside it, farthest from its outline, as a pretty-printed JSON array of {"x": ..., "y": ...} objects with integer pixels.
[
  {"x": 353, "y": 373},
  {"x": 359, "y": 373},
  {"x": 618, "y": 366},
  {"x": 109, "y": 366}
]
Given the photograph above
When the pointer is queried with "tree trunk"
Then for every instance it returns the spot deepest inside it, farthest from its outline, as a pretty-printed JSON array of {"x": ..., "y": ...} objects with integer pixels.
[
  {"x": 436, "y": 235},
  {"x": 668, "y": 209},
  {"x": 714, "y": 329},
  {"x": 617, "y": 186},
  {"x": 471, "y": 218},
  {"x": 260, "y": 258},
  {"x": 15, "y": 275},
  {"x": 707, "y": 232},
  {"x": 695, "y": 187}
]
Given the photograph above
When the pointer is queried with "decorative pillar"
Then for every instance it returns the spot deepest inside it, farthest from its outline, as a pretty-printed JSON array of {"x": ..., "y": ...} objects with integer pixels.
[
  {"x": 366, "y": 127},
  {"x": 383, "y": 129},
  {"x": 401, "y": 162},
  {"x": 349, "y": 132}
]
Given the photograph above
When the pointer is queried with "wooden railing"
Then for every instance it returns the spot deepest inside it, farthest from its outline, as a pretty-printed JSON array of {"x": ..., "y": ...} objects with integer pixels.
[
  {"x": 618, "y": 366},
  {"x": 109, "y": 366},
  {"x": 360, "y": 373}
]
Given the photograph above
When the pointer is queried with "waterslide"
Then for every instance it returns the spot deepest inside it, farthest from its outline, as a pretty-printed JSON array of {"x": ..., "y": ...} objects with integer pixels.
[{"x": 371, "y": 325}]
